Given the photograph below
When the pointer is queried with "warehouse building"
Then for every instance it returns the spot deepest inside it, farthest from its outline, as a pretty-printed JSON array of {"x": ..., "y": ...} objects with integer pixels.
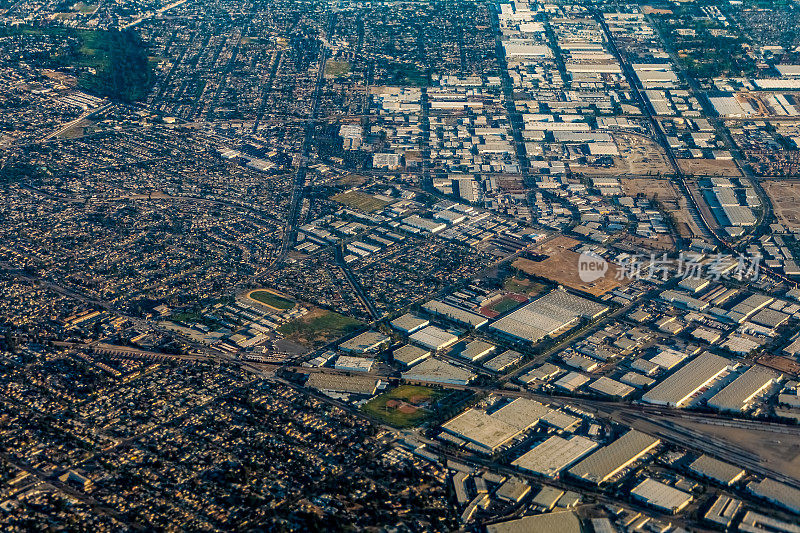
[
  {"x": 549, "y": 315},
  {"x": 409, "y": 323},
  {"x": 354, "y": 364},
  {"x": 369, "y": 341},
  {"x": 438, "y": 371},
  {"x": 738, "y": 395},
  {"x": 778, "y": 493},
  {"x": 455, "y": 314},
  {"x": 555, "y": 454},
  {"x": 409, "y": 355},
  {"x": 610, "y": 460},
  {"x": 610, "y": 387},
  {"x": 513, "y": 490},
  {"x": 723, "y": 511},
  {"x": 363, "y": 385},
  {"x": 661, "y": 496},
  {"x": 488, "y": 432},
  {"x": 475, "y": 350},
  {"x": 522, "y": 412},
  {"x": 678, "y": 388},
  {"x": 716, "y": 470},
  {"x": 561, "y": 521},
  {"x": 501, "y": 362},
  {"x": 546, "y": 498},
  {"x": 433, "y": 338}
]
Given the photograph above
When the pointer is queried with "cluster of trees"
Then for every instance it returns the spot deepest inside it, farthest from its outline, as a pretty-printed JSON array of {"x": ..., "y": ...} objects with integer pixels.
[
  {"x": 110, "y": 63},
  {"x": 121, "y": 70}
]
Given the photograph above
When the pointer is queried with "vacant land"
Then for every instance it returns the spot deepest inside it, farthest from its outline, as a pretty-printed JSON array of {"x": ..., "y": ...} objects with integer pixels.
[
  {"x": 785, "y": 196},
  {"x": 709, "y": 167},
  {"x": 319, "y": 327},
  {"x": 271, "y": 299},
  {"x": 334, "y": 69},
  {"x": 523, "y": 285},
  {"x": 639, "y": 156},
  {"x": 406, "y": 406},
  {"x": 360, "y": 200},
  {"x": 561, "y": 266}
]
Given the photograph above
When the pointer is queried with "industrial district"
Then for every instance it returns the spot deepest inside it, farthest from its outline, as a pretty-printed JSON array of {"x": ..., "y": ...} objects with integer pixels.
[{"x": 494, "y": 266}]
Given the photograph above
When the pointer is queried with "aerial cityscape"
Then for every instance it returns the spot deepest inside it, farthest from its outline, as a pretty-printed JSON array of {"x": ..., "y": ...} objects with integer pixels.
[{"x": 498, "y": 266}]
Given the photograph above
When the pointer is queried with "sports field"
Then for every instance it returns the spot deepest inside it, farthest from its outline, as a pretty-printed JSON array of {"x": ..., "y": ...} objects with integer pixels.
[
  {"x": 271, "y": 299},
  {"x": 404, "y": 407}
]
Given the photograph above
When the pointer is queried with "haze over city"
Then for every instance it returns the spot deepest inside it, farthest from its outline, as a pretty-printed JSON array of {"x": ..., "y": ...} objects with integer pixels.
[{"x": 489, "y": 266}]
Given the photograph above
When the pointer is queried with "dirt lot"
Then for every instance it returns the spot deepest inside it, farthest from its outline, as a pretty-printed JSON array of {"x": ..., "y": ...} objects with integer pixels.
[
  {"x": 639, "y": 156},
  {"x": 709, "y": 167},
  {"x": 785, "y": 196},
  {"x": 777, "y": 451},
  {"x": 561, "y": 266}
]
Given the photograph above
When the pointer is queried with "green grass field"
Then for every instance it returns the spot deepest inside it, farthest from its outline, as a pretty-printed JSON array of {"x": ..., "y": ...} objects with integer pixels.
[
  {"x": 360, "y": 200},
  {"x": 411, "y": 394},
  {"x": 319, "y": 327},
  {"x": 272, "y": 300},
  {"x": 506, "y": 304}
]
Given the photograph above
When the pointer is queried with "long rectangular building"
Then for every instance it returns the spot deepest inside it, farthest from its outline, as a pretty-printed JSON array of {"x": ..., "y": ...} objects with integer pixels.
[
  {"x": 610, "y": 460},
  {"x": 737, "y": 396},
  {"x": 555, "y": 454},
  {"x": 676, "y": 390},
  {"x": 551, "y": 314},
  {"x": 455, "y": 314}
]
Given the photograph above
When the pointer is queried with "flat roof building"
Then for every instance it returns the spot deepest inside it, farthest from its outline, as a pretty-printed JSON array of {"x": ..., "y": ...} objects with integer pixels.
[
  {"x": 409, "y": 355},
  {"x": 561, "y": 521},
  {"x": 610, "y": 460},
  {"x": 344, "y": 384},
  {"x": 723, "y": 511},
  {"x": 455, "y": 314},
  {"x": 777, "y": 493},
  {"x": 475, "y": 350},
  {"x": 487, "y": 432},
  {"x": 369, "y": 341},
  {"x": 719, "y": 471},
  {"x": 500, "y": 362},
  {"x": 610, "y": 387},
  {"x": 549, "y": 315},
  {"x": 409, "y": 323},
  {"x": 354, "y": 364},
  {"x": 661, "y": 496},
  {"x": 678, "y": 388},
  {"x": 438, "y": 371},
  {"x": 551, "y": 457},
  {"x": 738, "y": 395},
  {"x": 433, "y": 338}
]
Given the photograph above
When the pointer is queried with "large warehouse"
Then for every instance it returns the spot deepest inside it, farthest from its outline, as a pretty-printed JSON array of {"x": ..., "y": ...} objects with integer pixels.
[
  {"x": 433, "y": 338},
  {"x": 488, "y": 432},
  {"x": 549, "y": 315},
  {"x": 555, "y": 454},
  {"x": 661, "y": 496},
  {"x": 610, "y": 460},
  {"x": 738, "y": 395},
  {"x": 438, "y": 371},
  {"x": 678, "y": 388},
  {"x": 455, "y": 314}
]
